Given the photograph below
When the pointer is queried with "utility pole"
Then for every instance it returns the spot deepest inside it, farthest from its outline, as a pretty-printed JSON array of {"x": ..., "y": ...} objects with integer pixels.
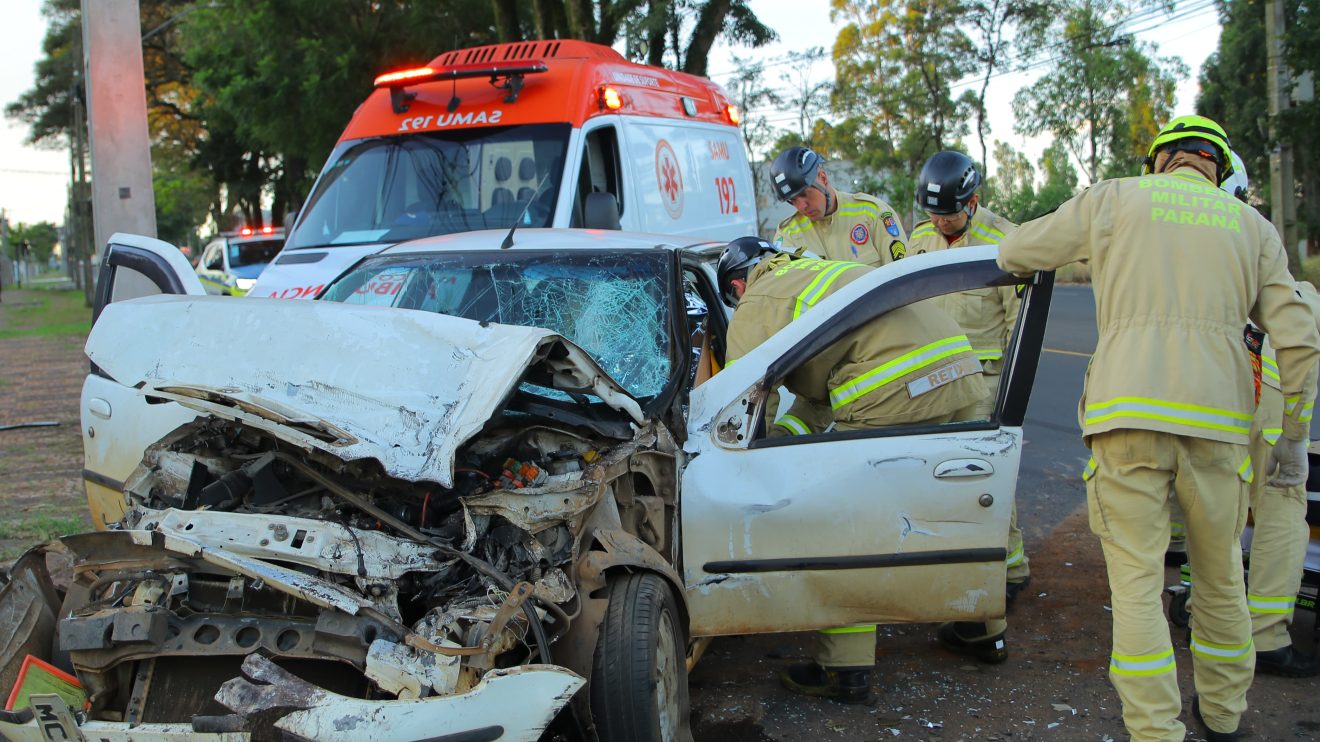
[
  {"x": 117, "y": 109},
  {"x": 1283, "y": 200}
]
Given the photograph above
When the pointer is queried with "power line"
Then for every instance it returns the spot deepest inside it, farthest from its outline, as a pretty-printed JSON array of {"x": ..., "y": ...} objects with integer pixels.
[{"x": 33, "y": 172}]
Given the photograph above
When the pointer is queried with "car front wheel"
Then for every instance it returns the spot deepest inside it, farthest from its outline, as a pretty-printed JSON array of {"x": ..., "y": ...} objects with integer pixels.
[{"x": 639, "y": 689}]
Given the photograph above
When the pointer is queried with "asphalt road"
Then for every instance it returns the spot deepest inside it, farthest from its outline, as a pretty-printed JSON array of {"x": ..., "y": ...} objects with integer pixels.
[{"x": 1050, "y": 480}]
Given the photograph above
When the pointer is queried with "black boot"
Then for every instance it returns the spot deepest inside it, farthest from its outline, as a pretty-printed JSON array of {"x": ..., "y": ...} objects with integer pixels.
[
  {"x": 845, "y": 685},
  {"x": 1287, "y": 662},
  {"x": 1210, "y": 734},
  {"x": 1011, "y": 590},
  {"x": 989, "y": 649}
]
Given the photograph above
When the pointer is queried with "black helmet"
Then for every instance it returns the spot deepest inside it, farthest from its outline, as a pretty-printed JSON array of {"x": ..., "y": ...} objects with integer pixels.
[
  {"x": 793, "y": 171},
  {"x": 738, "y": 257},
  {"x": 947, "y": 182}
]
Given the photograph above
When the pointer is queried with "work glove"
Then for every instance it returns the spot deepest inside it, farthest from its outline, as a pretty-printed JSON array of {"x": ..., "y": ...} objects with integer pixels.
[{"x": 1290, "y": 458}]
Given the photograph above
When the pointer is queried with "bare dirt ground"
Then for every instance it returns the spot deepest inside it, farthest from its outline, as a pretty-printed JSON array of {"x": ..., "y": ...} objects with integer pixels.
[{"x": 1054, "y": 685}]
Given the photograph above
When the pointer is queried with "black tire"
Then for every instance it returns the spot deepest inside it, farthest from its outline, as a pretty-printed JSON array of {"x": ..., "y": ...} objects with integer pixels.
[
  {"x": 639, "y": 687},
  {"x": 1178, "y": 613}
]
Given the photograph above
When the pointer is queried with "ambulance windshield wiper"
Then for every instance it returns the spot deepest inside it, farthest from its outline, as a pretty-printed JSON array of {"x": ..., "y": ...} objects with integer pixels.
[{"x": 508, "y": 238}]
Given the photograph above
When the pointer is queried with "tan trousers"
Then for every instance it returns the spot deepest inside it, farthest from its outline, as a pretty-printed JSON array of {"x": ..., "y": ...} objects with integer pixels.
[
  {"x": 1279, "y": 535},
  {"x": 1136, "y": 474},
  {"x": 853, "y": 647}
]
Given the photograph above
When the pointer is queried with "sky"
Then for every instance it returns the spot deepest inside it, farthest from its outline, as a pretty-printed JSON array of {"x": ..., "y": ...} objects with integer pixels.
[{"x": 34, "y": 183}]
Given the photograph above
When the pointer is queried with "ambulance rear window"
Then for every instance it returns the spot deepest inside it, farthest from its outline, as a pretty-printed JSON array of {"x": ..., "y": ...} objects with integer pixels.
[{"x": 392, "y": 189}]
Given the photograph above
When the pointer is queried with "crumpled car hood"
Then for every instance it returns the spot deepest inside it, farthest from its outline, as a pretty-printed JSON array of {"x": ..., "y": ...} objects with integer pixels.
[{"x": 406, "y": 388}]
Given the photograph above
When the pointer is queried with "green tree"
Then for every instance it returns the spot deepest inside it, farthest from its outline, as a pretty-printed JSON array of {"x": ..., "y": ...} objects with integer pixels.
[
  {"x": 1234, "y": 90},
  {"x": 41, "y": 238},
  {"x": 1102, "y": 93},
  {"x": 750, "y": 93},
  {"x": 895, "y": 61},
  {"x": 1013, "y": 192}
]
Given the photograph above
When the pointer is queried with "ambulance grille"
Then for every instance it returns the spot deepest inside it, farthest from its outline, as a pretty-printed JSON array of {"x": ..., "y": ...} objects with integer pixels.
[{"x": 525, "y": 50}]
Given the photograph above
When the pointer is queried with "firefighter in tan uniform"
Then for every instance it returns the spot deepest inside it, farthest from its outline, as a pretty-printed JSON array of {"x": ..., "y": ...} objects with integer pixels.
[
  {"x": 1178, "y": 267},
  {"x": 947, "y": 191},
  {"x": 1279, "y": 533},
  {"x": 829, "y": 223},
  {"x": 906, "y": 367}
]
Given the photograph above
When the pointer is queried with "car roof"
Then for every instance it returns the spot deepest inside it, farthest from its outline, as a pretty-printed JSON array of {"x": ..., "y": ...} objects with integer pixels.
[{"x": 554, "y": 239}]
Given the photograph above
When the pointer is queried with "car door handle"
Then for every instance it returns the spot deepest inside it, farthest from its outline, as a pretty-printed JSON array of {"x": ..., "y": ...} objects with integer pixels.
[
  {"x": 99, "y": 407},
  {"x": 963, "y": 468}
]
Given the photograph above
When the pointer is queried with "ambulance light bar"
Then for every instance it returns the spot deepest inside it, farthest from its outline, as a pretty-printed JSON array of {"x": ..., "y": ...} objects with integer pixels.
[{"x": 399, "y": 81}]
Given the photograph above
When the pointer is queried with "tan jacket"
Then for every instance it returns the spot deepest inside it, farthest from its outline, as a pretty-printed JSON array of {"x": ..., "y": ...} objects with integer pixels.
[
  {"x": 1270, "y": 368},
  {"x": 863, "y": 229},
  {"x": 908, "y": 366},
  {"x": 990, "y": 314},
  {"x": 1178, "y": 266}
]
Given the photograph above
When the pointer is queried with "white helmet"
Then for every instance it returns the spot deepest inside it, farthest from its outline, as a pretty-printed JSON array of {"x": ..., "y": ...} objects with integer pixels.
[{"x": 1236, "y": 182}]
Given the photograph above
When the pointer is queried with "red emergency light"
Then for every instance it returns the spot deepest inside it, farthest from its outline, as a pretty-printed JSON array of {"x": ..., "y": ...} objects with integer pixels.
[
  {"x": 268, "y": 230},
  {"x": 733, "y": 114},
  {"x": 245, "y": 231},
  {"x": 512, "y": 75}
]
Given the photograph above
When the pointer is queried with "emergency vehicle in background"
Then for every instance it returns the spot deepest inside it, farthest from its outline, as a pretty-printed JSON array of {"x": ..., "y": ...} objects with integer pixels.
[
  {"x": 231, "y": 263},
  {"x": 559, "y": 133}
]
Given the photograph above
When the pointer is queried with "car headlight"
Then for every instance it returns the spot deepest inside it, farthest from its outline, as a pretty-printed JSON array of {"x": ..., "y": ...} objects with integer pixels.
[{"x": 245, "y": 284}]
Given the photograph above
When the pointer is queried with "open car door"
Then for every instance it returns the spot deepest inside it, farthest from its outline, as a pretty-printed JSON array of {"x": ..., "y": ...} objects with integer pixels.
[
  {"x": 889, "y": 525},
  {"x": 117, "y": 422}
]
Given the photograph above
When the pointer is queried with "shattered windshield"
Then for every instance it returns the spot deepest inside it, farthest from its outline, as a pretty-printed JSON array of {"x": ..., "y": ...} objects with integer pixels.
[
  {"x": 610, "y": 303},
  {"x": 392, "y": 189}
]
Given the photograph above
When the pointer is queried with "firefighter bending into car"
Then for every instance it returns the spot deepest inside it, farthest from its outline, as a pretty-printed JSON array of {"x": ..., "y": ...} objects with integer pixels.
[
  {"x": 948, "y": 191},
  {"x": 912, "y": 365},
  {"x": 830, "y": 223},
  {"x": 1178, "y": 268}
]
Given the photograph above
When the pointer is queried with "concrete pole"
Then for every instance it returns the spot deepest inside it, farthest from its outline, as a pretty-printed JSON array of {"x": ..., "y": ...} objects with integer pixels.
[
  {"x": 122, "y": 199},
  {"x": 1283, "y": 202}
]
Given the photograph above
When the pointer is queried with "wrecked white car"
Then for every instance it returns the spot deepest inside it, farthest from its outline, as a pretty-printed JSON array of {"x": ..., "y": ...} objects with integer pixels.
[{"x": 480, "y": 493}]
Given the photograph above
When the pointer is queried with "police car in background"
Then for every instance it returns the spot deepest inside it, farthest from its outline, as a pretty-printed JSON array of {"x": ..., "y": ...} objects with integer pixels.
[{"x": 230, "y": 264}]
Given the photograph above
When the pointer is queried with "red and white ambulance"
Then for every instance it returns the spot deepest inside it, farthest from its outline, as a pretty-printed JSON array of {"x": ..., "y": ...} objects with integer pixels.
[{"x": 559, "y": 133}]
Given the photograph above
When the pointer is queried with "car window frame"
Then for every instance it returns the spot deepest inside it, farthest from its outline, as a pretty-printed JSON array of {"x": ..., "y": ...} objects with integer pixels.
[{"x": 1021, "y": 356}]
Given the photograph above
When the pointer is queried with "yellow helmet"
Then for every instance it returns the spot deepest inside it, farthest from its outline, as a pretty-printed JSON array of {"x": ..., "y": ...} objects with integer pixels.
[{"x": 1193, "y": 127}]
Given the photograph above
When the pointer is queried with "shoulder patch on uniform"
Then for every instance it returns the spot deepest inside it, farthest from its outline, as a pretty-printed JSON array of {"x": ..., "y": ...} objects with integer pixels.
[
  {"x": 860, "y": 234},
  {"x": 891, "y": 226},
  {"x": 897, "y": 249}
]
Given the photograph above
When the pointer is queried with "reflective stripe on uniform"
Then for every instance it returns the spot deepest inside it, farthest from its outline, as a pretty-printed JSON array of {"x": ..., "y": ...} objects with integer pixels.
[
  {"x": 988, "y": 354},
  {"x": 898, "y": 368},
  {"x": 858, "y": 208},
  {"x": 1267, "y": 604},
  {"x": 1143, "y": 665},
  {"x": 798, "y": 225},
  {"x": 817, "y": 289},
  {"x": 991, "y": 235},
  {"x": 1269, "y": 368},
  {"x": 922, "y": 230},
  {"x": 867, "y": 629},
  {"x": 1177, "y": 530},
  {"x": 1307, "y": 409},
  {"x": 1089, "y": 471},
  {"x": 1245, "y": 472},
  {"x": 1271, "y": 435},
  {"x": 1222, "y": 652},
  {"x": 1016, "y": 557},
  {"x": 1173, "y": 412},
  {"x": 793, "y": 424},
  {"x": 1290, "y": 403}
]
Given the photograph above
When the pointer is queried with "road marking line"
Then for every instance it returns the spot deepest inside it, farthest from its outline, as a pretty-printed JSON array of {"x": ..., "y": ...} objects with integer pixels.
[{"x": 1067, "y": 352}]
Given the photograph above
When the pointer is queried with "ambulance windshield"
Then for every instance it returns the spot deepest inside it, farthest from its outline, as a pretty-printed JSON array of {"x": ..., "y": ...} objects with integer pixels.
[{"x": 392, "y": 189}]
